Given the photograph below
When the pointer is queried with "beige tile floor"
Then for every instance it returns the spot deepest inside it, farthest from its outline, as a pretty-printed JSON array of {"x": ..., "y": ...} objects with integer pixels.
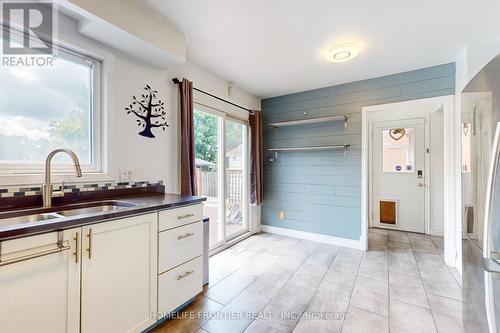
[{"x": 270, "y": 283}]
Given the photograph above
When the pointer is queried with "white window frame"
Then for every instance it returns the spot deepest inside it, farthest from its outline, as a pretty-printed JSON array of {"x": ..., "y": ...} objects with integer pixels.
[
  {"x": 96, "y": 164},
  {"x": 246, "y": 180},
  {"x": 412, "y": 146}
]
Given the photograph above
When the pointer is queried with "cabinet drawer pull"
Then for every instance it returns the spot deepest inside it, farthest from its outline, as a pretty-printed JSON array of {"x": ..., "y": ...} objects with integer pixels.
[
  {"x": 180, "y": 277},
  {"x": 184, "y": 216},
  {"x": 185, "y": 236}
]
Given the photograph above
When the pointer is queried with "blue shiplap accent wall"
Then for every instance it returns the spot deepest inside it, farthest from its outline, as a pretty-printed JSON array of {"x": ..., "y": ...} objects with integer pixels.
[{"x": 320, "y": 191}]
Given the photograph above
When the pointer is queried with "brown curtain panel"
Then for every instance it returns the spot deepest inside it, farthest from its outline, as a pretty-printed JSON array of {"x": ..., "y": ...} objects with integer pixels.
[
  {"x": 256, "y": 158},
  {"x": 188, "y": 164}
]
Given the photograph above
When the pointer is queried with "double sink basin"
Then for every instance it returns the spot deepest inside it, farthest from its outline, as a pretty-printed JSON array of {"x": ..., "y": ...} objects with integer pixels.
[{"x": 45, "y": 214}]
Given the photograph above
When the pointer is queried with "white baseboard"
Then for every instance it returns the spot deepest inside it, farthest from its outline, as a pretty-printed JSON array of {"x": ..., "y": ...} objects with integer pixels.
[
  {"x": 345, "y": 242},
  {"x": 437, "y": 232}
]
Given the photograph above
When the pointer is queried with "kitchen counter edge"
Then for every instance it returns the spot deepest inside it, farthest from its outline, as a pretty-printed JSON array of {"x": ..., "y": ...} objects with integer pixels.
[{"x": 141, "y": 205}]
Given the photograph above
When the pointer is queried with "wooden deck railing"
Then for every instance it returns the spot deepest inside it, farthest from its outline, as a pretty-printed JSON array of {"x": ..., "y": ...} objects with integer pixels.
[{"x": 208, "y": 184}]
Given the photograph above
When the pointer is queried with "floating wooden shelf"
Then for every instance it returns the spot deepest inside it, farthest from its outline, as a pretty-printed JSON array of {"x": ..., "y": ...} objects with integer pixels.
[
  {"x": 310, "y": 121},
  {"x": 328, "y": 147}
]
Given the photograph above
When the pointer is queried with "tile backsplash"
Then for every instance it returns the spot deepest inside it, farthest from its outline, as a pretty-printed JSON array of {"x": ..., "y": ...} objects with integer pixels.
[{"x": 26, "y": 190}]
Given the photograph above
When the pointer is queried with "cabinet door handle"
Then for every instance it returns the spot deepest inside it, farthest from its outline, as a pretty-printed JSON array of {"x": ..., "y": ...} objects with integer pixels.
[
  {"x": 60, "y": 248},
  {"x": 89, "y": 250},
  {"x": 77, "y": 247},
  {"x": 184, "y": 216},
  {"x": 185, "y": 236},
  {"x": 182, "y": 276}
]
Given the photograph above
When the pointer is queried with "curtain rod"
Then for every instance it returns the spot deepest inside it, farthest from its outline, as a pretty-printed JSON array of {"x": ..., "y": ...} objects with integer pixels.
[{"x": 177, "y": 81}]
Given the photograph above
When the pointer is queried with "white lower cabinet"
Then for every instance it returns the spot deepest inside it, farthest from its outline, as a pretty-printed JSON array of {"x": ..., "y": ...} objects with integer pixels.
[
  {"x": 101, "y": 278},
  {"x": 119, "y": 265},
  {"x": 180, "y": 257},
  {"x": 179, "y": 285},
  {"x": 40, "y": 284}
]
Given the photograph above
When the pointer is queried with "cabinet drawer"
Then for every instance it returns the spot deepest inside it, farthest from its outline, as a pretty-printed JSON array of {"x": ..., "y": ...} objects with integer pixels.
[
  {"x": 178, "y": 245},
  {"x": 177, "y": 286},
  {"x": 173, "y": 218}
]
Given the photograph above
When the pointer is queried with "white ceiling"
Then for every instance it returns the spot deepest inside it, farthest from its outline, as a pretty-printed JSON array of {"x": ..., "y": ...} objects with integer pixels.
[{"x": 271, "y": 48}]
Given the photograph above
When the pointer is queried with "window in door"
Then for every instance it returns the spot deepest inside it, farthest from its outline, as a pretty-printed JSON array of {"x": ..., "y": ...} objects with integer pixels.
[{"x": 398, "y": 150}]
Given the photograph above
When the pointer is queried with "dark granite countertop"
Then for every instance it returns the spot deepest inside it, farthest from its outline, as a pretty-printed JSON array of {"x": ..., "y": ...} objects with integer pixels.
[{"x": 138, "y": 205}]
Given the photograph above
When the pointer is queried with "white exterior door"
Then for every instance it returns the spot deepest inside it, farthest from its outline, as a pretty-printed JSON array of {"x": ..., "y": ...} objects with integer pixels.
[
  {"x": 398, "y": 174},
  {"x": 119, "y": 275}
]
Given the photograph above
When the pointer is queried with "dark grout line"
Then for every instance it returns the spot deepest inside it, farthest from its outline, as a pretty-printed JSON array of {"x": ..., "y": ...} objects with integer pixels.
[
  {"x": 425, "y": 288},
  {"x": 332, "y": 262},
  {"x": 352, "y": 292},
  {"x": 317, "y": 288},
  {"x": 291, "y": 275}
]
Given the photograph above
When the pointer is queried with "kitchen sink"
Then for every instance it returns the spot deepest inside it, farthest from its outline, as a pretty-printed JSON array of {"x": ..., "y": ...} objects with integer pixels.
[
  {"x": 45, "y": 214},
  {"x": 97, "y": 207},
  {"x": 27, "y": 218}
]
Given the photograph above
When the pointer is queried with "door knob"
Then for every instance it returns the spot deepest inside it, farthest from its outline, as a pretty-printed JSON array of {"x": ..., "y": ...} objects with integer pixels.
[{"x": 420, "y": 184}]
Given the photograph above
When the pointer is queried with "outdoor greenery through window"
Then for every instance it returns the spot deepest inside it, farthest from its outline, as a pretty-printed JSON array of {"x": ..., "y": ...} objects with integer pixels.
[
  {"x": 48, "y": 107},
  {"x": 206, "y": 128},
  {"x": 206, "y": 131}
]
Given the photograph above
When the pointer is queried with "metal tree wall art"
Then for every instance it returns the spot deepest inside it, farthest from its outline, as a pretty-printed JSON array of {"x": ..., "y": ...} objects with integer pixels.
[{"x": 150, "y": 110}]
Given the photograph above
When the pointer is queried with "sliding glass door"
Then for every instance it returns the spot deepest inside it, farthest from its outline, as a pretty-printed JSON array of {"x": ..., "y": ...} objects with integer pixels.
[
  {"x": 221, "y": 147},
  {"x": 207, "y": 152},
  {"x": 235, "y": 168}
]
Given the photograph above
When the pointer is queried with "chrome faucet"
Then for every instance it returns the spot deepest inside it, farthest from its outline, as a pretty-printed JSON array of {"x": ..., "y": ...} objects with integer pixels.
[{"x": 47, "y": 189}]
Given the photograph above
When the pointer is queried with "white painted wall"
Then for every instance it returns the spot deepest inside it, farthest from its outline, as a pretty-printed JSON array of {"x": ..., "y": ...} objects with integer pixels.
[
  {"x": 130, "y": 27},
  {"x": 436, "y": 163},
  {"x": 123, "y": 77},
  {"x": 472, "y": 59},
  {"x": 156, "y": 158}
]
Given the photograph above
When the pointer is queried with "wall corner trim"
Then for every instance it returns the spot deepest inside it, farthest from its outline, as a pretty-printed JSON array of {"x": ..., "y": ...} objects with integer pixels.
[{"x": 345, "y": 242}]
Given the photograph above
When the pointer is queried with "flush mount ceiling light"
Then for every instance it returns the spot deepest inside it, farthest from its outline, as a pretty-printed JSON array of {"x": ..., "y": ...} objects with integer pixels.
[{"x": 342, "y": 52}]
